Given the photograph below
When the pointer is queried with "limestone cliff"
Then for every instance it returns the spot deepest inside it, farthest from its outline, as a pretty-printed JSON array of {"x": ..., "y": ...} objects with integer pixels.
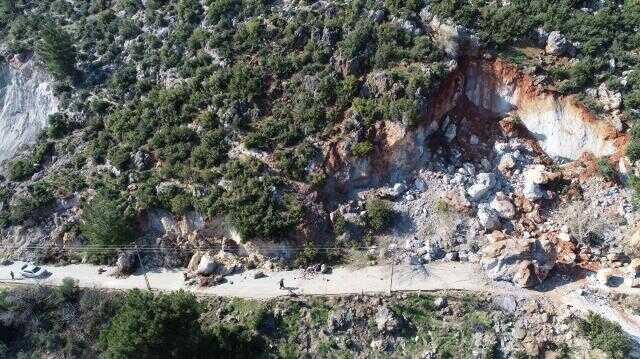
[{"x": 26, "y": 99}]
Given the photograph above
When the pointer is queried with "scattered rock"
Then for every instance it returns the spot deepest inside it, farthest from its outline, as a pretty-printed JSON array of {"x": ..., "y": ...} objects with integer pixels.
[
  {"x": 339, "y": 320},
  {"x": 634, "y": 267},
  {"x": 534, "y": 178},
  {"x": 502, "y": 205},
  {"x": 506, "y": 162},
  {"x": 604, "y": 276},
  {"x": 259, "y": 274},
  {"x": 141, "y": 160},
  {"x": 440, "y": 303},
  {"x": 325, "y": 269},
  {"x": 483, "y": 184},
  {"x": 385, "y": 320},
  {"x": 488, "y": 217}
]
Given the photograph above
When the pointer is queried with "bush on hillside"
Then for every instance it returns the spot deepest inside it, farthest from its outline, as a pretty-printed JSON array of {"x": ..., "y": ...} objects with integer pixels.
[
  {"x": 379, "y": 215},
  {"x": 606, "y": 336}
]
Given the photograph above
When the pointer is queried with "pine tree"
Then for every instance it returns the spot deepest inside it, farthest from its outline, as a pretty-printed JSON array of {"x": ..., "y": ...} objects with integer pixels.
[{"x": 57, "y": 51}]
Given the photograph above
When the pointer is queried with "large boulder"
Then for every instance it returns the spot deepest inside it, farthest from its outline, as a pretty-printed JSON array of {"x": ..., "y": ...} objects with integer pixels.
[
  {"x": 207, "y": 264},
  {"x": 126, "y": 263},
  {"x": 502, "y": 205},
  {"x": 525, "y": 262}
]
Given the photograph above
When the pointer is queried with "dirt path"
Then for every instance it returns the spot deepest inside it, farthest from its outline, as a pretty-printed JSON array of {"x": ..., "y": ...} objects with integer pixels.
[{"x": 342, "y": 280}]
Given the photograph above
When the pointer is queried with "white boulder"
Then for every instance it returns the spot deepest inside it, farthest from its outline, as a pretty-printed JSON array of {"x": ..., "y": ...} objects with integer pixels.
[
  {"x": 558, "y": 45},
  {"x": 483, "y": 184},
  {"x": 488, "y": 217}
]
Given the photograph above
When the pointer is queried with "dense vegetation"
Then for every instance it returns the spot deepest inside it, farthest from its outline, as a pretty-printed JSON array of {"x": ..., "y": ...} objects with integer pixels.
[
  {"x": 76, "y": 323},
  {"x": 606, "y": 336}
]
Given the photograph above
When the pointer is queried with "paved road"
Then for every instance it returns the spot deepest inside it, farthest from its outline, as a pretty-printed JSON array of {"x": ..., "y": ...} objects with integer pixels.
[{"x": 343, "y": 280}]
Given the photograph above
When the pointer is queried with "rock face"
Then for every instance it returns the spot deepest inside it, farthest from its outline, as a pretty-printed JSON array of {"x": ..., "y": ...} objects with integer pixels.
[
  {"x": 563, "y": 127},
  {"x": 27, "y": 100}
]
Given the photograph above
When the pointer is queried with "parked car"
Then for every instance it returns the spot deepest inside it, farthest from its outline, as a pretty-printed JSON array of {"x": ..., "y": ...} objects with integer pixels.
[{"x": 31, "y": 271}]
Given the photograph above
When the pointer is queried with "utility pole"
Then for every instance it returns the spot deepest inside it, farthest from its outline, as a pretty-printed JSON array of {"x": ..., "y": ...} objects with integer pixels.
[{"x": 144, "y": 270}]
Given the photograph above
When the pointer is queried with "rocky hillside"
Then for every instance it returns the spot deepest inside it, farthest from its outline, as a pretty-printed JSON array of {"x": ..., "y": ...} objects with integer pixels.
[
  {"x": 299, "y": 132},
  {"x": 67, "y": 322}
]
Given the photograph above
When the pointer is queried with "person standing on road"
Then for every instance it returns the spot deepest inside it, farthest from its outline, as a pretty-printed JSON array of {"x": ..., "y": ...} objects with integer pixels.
[
  {"x": 12, "y": 275},
  {"x": 281, "y": 283}
]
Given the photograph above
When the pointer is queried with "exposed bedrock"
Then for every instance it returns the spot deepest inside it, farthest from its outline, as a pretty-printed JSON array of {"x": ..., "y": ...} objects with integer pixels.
[
  {"x": 27, "y": 99},
  {"x": 562, "y": 126},
  {"x": 467, "y": 107}
]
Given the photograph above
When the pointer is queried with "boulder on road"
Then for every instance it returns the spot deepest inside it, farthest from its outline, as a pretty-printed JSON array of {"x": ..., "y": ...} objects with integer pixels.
[
  {"x": 126, "y": 263},
  {"x": 525, "y": 262},
  {"x": 207, "y": 264}
]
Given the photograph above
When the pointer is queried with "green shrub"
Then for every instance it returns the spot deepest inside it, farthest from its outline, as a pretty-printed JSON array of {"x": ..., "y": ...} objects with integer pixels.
[
  {"x": 20, "y": 170},
  {"x": 339, "y": 224},
  {"x": 57, "y": 51},
  {"x": 362, "y": 149},
  {"x": 294, "y": 162},
  {"x": 256, "y": 204},
  {"x": 605, "y": 169},
  {"x": 606, "y": 336},
  {"x": 69, "y": 289},
  {"x": 181, "y": 204},
  {"x": 37, "y": 199},
  {"x": 58, "y": 126},
  {"x": 379, "y": 214}
]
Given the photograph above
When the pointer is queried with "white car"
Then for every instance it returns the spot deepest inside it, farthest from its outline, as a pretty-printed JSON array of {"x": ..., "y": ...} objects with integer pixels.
[{"x": 31, "y": 271}]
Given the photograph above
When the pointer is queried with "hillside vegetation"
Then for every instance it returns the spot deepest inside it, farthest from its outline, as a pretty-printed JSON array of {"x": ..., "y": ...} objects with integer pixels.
[{"x": 227, "y": 106}]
